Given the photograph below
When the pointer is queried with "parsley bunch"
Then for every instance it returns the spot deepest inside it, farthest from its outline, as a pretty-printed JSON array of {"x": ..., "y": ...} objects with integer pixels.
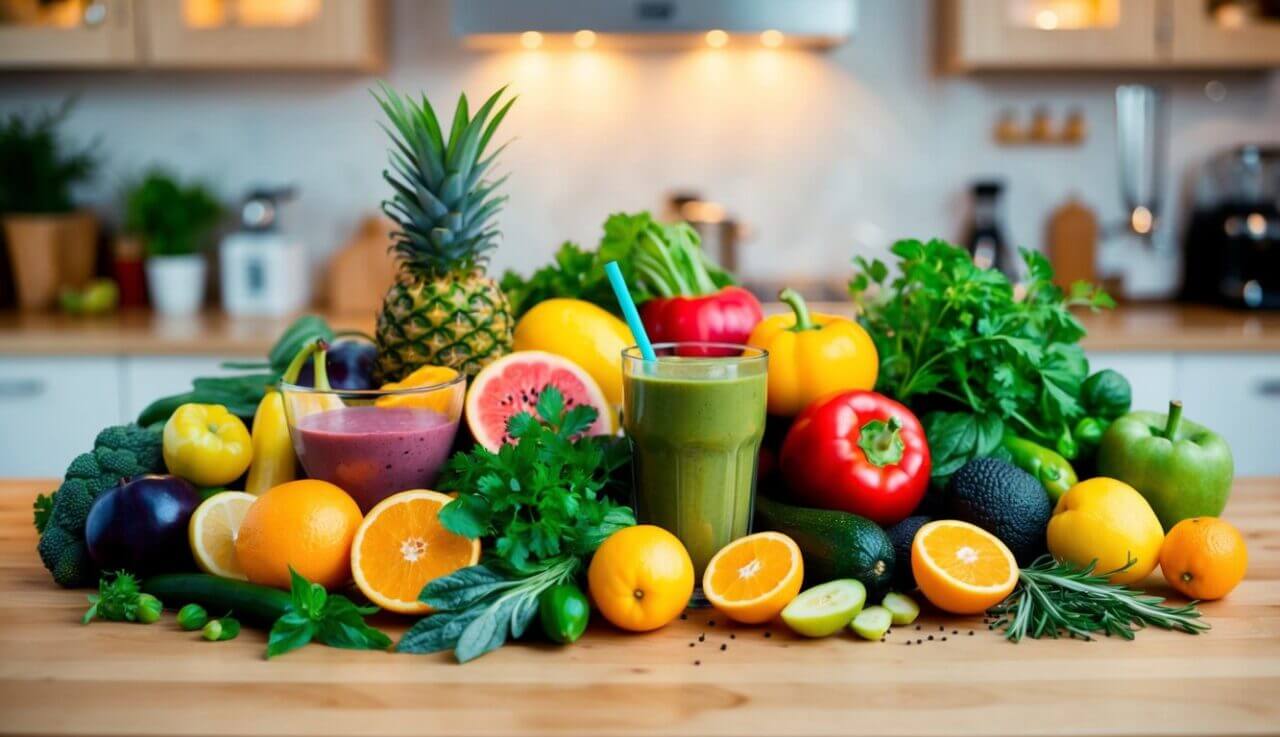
[
  {"x": 542, "y": 496},
  {"x": 955, "y": 337},
  {"x": 543, "y": 501}
]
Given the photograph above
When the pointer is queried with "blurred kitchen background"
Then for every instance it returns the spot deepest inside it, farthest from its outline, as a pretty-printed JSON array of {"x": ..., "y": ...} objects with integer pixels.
[{"x": 1132, "y": 140}]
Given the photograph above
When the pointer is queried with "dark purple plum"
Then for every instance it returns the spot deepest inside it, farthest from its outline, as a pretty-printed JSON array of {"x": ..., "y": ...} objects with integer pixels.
[
  {"x": 349, "y": 364},
  {"x": 141, "y": 526}
]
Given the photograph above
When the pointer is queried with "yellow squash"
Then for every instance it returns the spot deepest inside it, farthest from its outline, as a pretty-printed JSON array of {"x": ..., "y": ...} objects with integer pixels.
[
  {"x": 583, "y": 333},
  {"x": 812, "y": 355}
]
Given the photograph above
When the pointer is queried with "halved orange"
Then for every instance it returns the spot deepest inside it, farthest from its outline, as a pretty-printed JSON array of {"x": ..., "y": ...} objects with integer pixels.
[
  {"x": 401, "y": 546},
  {"x": 962, "y": 568},
  {"x": 753, "y": 578}
]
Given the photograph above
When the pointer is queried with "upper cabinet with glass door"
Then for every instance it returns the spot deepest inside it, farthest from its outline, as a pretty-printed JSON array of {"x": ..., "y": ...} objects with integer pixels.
[
  {"x": 265, "y": 34},
  {"x": 1010, "y": 35},
  {"x": 192, "y": 34},
  {"x": 68, "y": 33}
]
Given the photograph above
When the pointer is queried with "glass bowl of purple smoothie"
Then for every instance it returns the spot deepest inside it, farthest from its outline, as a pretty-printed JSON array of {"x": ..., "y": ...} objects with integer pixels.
[{"x": 375, "y": 443}]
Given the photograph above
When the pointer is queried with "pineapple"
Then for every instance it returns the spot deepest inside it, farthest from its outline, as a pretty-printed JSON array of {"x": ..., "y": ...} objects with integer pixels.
[{"x": 443, "y": 310}]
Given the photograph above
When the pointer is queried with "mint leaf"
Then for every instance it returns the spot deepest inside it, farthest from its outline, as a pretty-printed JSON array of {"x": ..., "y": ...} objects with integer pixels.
[{"x": 290, "y": 632}]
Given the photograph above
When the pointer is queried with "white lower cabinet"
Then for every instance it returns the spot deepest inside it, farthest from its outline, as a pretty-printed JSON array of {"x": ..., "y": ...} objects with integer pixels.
[
  {"x": 51, "y": 409},
  {"x": 147, "y": 378},
  {"x": 1152, "y": 376}
]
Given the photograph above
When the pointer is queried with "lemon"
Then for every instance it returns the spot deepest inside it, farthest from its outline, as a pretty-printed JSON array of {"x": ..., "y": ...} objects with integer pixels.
[
  {"x": 581, "y": 332},
  {"x": 212, "y": 532},
  {"x": 1107, "y": 521}
]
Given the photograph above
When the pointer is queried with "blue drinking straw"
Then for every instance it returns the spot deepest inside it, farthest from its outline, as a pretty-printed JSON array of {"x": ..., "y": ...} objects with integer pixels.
[{"x": 628, "y": 306}]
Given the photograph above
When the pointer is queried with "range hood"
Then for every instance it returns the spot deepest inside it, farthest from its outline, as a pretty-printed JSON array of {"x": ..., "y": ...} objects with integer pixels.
[{"x": 550, "y": 24}]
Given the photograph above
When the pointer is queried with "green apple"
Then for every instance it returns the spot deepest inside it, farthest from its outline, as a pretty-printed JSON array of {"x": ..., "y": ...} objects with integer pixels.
[
  {"x": 872, "y": 622},
  {"x": 826, "y": 609}
]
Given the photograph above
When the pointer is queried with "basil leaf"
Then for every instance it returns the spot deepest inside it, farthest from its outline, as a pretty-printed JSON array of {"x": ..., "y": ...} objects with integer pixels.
[
  {"x": 489, "y": 630},
  {"x": 463, "y": 587},
  {"x": 955, "y": 438},
  {"x": 437, "y": 632},
  {"x": 351, "y": 635},
  {"x": 290, "y": 632},
  {"x": 230, "y": 628}
]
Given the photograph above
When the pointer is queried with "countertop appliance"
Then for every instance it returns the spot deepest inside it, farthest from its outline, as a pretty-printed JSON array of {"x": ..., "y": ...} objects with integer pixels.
[
  {"x": 653, "y": 23},
  {"x": 263, "y": 270},
  {"x": 1232, "y": 243}
]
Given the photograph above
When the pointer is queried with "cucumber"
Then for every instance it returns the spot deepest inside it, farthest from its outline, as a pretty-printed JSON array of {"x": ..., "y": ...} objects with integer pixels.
[
  {"x": 903, "y": 608},
  {"x": 826, "y": 609},
  {"x": 834, "y": 544},
  {"x": 871, "y": 623},
  {"x": 260, "y": 605}
]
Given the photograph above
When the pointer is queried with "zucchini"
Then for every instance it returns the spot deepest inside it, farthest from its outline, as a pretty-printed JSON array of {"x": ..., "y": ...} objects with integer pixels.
[
  {"x": 260, "y": 605},
  {"x": 834, "y": 544}
]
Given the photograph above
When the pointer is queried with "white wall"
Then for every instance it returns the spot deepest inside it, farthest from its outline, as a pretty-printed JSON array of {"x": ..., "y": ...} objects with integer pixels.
[{"x": 821, "y": 153}]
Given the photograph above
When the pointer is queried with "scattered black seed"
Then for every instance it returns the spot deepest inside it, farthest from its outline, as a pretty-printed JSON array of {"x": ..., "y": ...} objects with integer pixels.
[
  {"x": 941, "y": 628},
  {"x": 955, "y": 632},
  {"x": 684, "y": 615},
  {"x": 732, "y": 636},
  {"x": 971, "y": 633},
  {"x": 917, "y": 626},
  {"x": 723, "y": 647},
  {"x": 930, "y": 637},
  {"x": 697, "y": 662},
  {"x": 908, "y": 642},
  {"x": 768, "y": 634},
  {"x": 919, "y": 641},
  {"x": 711, "y": 623},
  {"x": 881, "y": 639},
  {"x": 702, "y": 637},
  {"x": 692, "y": 644},
  {"x": 944, "y": 638}
]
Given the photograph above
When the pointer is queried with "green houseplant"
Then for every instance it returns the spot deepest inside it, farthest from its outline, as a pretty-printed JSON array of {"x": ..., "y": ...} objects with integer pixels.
[
  {"x": 174, "y": 222},
  {"x": 51, "y": 243}
]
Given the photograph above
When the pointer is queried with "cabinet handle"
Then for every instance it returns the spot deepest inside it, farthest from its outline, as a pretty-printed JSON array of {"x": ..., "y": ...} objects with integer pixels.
[
  {"x": 1269, "y": 387},
  {"x": 21, "y": 388}
]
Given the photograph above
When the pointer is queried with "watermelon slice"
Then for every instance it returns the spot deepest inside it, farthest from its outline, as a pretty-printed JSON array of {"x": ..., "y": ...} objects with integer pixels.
[{"x": 513, "y": 383}]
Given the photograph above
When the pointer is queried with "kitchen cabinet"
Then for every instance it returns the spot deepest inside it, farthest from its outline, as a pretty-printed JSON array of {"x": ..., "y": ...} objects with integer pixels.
[
  {"x": 1012, "y": 35},
  {"x": 146, "y": 378},
  {"x": 1153, "y": 376},
  {"x": 98, "y": 34},
  {"x": 193, "y": 34},
  {"x": 52, "y": 408},
  {"x": 256, "y": 34}
]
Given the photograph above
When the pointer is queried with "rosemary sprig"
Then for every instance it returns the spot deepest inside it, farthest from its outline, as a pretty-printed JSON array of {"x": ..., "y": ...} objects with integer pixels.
[{"x": 1053, "y": 599}]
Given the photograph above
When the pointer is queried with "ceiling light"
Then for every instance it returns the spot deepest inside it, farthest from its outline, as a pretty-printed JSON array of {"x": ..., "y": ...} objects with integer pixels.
[
  {"x": 717, "y": 39},
  {"x": 531, "y": 39},
  {"x": 771, "y": 38},
  {"x": 584, "y": 39}
]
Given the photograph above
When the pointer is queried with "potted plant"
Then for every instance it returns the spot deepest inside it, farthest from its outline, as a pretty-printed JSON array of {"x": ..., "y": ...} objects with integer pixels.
[
  {"x": 174, "y": 221},
  {"x": 51, "y": 243}
]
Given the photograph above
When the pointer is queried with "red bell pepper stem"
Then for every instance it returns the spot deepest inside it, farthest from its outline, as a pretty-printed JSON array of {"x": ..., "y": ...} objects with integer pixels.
[
  {"x": 797, "y": 305},
  {"x": 881, "y": 442},
  {"x": 1174, "y": 421}
]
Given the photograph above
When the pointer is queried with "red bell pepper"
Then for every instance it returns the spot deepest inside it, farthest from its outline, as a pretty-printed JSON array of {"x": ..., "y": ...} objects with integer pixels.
[
  {"x": 859, "y": 452},
  {"x": 726, "y": 316}
]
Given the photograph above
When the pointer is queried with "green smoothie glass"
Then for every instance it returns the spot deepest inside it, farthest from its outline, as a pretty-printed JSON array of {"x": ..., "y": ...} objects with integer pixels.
[{"x": 695, "y": 417}]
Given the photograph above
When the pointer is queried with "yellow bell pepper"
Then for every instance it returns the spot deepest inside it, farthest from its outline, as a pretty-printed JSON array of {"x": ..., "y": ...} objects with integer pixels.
[
  {"x": 273, "y": 459},
  {"x": 813, "y": 355},
  {"x": 206, "y": 445}
]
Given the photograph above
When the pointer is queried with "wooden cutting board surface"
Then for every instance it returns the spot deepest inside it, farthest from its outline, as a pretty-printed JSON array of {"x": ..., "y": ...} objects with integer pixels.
[{"x": 58, "y": 677}]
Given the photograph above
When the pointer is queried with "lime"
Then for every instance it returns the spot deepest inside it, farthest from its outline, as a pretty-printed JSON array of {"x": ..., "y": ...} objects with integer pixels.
[
  {"x": 872, "y": 622},
  {"x": 903, "y": 608},
  {"x": 824, "y": 610}
]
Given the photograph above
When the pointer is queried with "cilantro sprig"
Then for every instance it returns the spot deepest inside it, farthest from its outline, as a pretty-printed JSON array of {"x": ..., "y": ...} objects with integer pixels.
[{"x": 542, "y": 500}]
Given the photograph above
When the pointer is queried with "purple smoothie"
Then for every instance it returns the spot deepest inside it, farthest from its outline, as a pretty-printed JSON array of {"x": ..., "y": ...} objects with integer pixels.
[{"x": 374, "y": 452}]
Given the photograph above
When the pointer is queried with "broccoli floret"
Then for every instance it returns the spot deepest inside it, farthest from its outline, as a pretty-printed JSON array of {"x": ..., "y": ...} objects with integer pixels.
[
  {"x": 85, "y": 466},
  {"x": 71, "y": 504},
  {"x": 120, "y": 452},
  {"x": 42, "y": 511},
  {"x": 65, "y": 555}
]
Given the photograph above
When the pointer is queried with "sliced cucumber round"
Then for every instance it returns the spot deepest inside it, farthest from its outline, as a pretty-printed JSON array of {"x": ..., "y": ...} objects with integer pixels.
[
  {"x": 903, "y": 608},
  {"x": 872, "y": 622},
  {"x": 826, "y": 609}
]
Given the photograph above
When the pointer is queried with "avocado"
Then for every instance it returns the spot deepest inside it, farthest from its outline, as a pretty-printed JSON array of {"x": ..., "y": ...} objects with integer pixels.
[
  {"x": 901, "y": 535},
  {"x": 834, "y": 544},
  {"x": 1004, "y": 500}
]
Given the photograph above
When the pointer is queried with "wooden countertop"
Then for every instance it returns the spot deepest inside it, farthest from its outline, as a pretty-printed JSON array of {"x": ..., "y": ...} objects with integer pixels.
[
  {"x": 1165, "y": 327},
  {"x": 58, "y": 677}
]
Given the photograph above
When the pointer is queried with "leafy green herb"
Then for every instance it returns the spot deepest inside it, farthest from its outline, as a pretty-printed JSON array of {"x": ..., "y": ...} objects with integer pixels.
[
  {"x": 120, "y": 600},
  {"x": 542, "y": 499},
  {"x": 171, "y": 218},
  {"x": 959, "y": 338},
  {"x": 40, "y": 170},
  {"x": 656, "y": 259},
  {"x": 42, "y": 510},
  {"x": 1053, "y": 599},
  {"x": 542, "y": 496},
  {"x": 955, "y": 438},
  {"x": 330, "y": 619}
]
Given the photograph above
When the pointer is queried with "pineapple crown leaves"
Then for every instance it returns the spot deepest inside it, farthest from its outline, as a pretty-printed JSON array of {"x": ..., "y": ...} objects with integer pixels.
[{"x": 442, "y": 202}]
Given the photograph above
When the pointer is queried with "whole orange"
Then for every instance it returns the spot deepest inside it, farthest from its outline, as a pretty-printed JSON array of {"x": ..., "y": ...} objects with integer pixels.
[
  {"x": 308, "y": 525},
  {"x": 1204, "y": 557},
  {"x": 641, "y": 578}
]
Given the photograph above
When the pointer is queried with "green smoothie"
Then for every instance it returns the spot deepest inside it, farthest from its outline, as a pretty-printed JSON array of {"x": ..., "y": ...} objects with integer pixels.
[{"x": 695, "y": 426}]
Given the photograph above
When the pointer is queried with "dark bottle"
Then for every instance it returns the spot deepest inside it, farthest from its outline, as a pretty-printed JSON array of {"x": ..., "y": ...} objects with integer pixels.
[{"x": 985, "y": 241}]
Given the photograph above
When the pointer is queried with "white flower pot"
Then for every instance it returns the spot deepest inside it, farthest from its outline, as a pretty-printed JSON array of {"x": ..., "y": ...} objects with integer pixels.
[{"x": 176, "y": 283}]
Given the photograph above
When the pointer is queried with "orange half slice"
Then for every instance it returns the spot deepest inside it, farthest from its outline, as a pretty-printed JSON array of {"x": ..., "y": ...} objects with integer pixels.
[
  {"x": 962, "y": 568},
  {"x": 753, "y": 578}
]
